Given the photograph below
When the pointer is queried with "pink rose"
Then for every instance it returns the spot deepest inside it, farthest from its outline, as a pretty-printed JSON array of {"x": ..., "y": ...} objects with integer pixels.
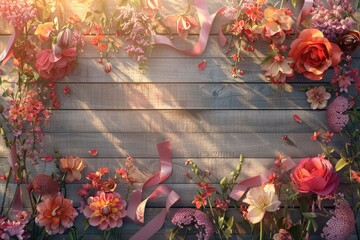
[{"x": 315, "y": 175}]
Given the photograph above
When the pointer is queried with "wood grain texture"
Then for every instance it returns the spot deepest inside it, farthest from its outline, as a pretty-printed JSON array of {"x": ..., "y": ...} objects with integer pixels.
[{"x": 186, "y": 121}]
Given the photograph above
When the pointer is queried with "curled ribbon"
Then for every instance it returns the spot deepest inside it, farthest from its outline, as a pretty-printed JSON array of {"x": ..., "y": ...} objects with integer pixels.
[
  {"x": 136, "y": 208},
  {"x": 240, "y": 188},
  {"x": 7, "y": 52},
  {"x": 205, "y": 20},
  {"x": 304, "y": 13}
]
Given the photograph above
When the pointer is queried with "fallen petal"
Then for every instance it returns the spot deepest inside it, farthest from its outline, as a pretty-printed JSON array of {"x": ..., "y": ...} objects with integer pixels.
[
  {"x": 202, "y": 65},
  {"x": 93, "y": 152}
]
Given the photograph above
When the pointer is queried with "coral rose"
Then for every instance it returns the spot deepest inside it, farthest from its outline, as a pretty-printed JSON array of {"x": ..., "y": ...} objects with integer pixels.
[
  {"x": 73, "y": 167},
  {"x": 313, "y": 54},
  {"x": 56, "y": 214},
  {"x": 315, "y": 175},
  {"x": 105, "y": 210}
]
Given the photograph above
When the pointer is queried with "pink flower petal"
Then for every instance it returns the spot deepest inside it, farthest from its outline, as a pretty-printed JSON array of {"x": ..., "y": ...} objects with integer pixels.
[
  {"x": 47, "y": 158},
  {"x": 297, "y": 118},
  {"x": 202, "y": 65},
  {"x": 93, "y": 152}
]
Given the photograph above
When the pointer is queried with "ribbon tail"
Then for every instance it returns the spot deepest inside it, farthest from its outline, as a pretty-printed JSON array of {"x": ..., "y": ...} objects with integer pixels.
[
  {"x": 12, "y": 158},
  {"x": 6, "y": 53},
  {"x": 17, "y": 205},
  {"x": 304, "y": 13}
]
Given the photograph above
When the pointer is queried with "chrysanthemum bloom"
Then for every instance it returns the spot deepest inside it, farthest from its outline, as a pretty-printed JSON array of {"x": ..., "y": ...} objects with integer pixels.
[
  {"x": 313, "y": 54},
  {"x": 13, "y": 229},
  {"x": 189, "y": 216},
  {"x": 105, "y": 210},
  {"x": 73, "y": 167},
  {"x": 341, "y": 225},
  {"x": 318, "y": 97},
  {"x": 56, "y": 214},
  {"x": 44, "y": 185},
  {"x": 282, "y": 235},
  {"x": 261, "y": 200},
  {"x": 336, "y": 113}
]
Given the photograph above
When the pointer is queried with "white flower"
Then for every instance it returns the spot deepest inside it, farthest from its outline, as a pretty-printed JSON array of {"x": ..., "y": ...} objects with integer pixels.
[{"x": 261, "y": 200}]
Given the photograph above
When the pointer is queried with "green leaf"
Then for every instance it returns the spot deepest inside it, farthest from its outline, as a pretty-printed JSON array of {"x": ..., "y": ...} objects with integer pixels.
[
  {"x": 309, "y": 215},
  {"x": 228, "y": 232},
  {"x": 221, "y": 221},
  {"x": 173, "y": 233},
  {"x": 341, "y": 164},
  {"x": 230, "y": 222},
  {"x": 314, "y": 225},
  {"x": 294, "y": 2},
  {"x": 296, "y": 231}
]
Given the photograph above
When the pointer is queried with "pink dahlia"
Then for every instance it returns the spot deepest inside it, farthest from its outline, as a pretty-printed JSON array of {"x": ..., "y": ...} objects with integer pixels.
[
  {"x": 44, "y": 185},
  {"x": 336, "y": 113},
  {"x": 341, "y": 224},
  {"x": 105, "y": 210},
  {"x": 56, "y": 214}
]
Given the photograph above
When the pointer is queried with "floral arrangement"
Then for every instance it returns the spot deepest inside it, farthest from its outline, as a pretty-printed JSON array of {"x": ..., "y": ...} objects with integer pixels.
[{"x": 43, "y": 49}]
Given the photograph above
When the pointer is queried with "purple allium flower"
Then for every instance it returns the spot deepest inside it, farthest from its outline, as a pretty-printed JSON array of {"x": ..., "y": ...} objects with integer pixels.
[
  {"x": 335, "y": 114},
  {"x": 189, "y": 216},
  {"x": 341, "y": 224},
  {"x": 333, "y": 18}
]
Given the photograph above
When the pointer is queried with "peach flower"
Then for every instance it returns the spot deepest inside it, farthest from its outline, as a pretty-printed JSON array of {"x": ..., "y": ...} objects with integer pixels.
[
  {"x": 318, "y": 97},
  {"x": 44, "y": 30},
  {"x": 278, "y": 69},
  {"x": 151, "y": 6},
  {"x": 315, "y": 175},
  {"x": 105, "y": 210},
  {"x": 275, "y": 25},
  {"x": 56, "y": 214},
  {"x": 261, "y": 200},
  {"x": 73, "y": 167},
  {"x": 181, "y": 24},
  {"x": 313, "y": 54}
]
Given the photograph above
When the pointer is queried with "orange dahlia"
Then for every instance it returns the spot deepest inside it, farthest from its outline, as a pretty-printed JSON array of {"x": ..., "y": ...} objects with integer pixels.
[
  {"x": 105, "y": 210},
  {"x": 56, "y": 214}
]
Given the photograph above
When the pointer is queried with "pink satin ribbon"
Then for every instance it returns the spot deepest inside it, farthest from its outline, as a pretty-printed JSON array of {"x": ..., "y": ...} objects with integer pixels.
[
  {"x": 205, "y": 22},
  {"x": 304, "y": 13},
  {"x": 12, "y": 158},
  {"x": 240, "y": 189},
  {"x": 7, "y": 52},
  {"x": 17, "y": 204},
  {"x": 136, "y": 208}
]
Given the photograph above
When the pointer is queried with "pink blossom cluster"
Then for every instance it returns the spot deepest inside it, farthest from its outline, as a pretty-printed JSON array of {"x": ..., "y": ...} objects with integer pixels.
[
  {"x": 13, "y": 229},
  {"x": 17, "y": 12},
  {"x": 27, "y": 117},
  {"x": 136, "y": 29},
  {"x": 341, "y": 224},
  {"x": 335, "y": 114},
  {"x": 334, "y": 20},
  {"x": 188, "y": 216}
]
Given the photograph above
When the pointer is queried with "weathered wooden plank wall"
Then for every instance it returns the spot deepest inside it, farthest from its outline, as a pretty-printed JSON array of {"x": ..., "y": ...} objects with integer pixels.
[{"x": 207, "y": 115}]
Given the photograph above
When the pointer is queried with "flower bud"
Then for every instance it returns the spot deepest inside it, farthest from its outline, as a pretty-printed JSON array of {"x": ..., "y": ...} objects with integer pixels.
[
  {"x": 107, "y": 67},
  {"x": 65, "y": 38}
]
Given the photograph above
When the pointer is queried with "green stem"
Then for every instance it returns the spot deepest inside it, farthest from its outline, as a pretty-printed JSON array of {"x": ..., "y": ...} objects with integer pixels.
[{"x": 261, "y": 230}]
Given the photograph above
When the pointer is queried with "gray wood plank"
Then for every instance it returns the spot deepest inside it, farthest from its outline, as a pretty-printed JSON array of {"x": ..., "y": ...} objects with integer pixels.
[
  {"x": 280, "y": 121},
  {"x": 181, "y": 96}
]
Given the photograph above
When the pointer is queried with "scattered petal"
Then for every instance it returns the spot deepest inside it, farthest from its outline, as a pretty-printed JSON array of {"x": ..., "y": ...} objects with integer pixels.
[
  {"x": 47, "y": 158},
  {"x": 202, "y": 65},
  {"x": 93, "y": 152},
  {"x": 297, "y": 118}
]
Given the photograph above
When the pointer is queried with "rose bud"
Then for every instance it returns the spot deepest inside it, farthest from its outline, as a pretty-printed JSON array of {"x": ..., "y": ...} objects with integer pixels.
[
  {"x": 107, "y": 67},
  {"x": 65, "y": 38},
  {"x": 349, "y": 41}
]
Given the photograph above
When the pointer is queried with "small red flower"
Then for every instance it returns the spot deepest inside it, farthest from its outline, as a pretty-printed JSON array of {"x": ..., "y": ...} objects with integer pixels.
[
  {"x": 355, "y": 176},
  {"x": 199, "y": 200},
  {"x": 207, "y": 188},
  {"x": 66, "y": 91},
  {"x": 315, "y": 136}
]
